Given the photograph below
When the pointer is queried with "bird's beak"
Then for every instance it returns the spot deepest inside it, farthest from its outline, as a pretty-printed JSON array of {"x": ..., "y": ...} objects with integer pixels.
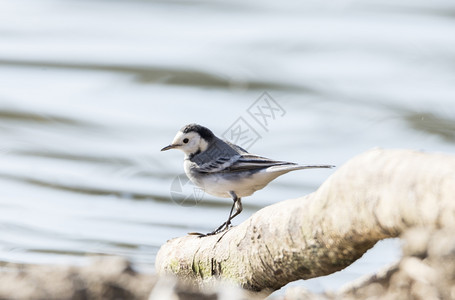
[{"x": 172, "y": 146}]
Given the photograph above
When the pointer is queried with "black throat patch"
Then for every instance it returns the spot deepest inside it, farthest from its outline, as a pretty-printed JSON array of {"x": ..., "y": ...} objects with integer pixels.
[{"x": 194, "y": 154}]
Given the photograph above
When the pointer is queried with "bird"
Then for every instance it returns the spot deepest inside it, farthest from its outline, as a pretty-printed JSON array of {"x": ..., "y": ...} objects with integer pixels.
[{"x": 226, "y": 170}]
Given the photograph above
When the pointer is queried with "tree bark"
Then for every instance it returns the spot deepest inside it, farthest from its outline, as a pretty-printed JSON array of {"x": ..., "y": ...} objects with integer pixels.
[{"x": 375, "y": 195}]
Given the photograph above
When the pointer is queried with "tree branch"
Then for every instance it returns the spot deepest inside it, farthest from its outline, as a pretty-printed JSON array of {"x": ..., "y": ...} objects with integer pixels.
[{"x": 375, "y": 195}]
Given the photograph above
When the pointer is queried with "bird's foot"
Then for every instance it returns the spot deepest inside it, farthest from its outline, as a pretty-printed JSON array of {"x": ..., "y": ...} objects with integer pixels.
[{"x": 225, "y": 226}]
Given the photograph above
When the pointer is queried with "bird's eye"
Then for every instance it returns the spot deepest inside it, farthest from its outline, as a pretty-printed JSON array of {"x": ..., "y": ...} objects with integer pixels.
[{"x": 185, "y": 141}]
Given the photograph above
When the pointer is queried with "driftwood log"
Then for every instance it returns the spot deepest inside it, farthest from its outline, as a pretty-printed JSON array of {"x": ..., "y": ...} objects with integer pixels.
[{"x": 376, "y": 195}]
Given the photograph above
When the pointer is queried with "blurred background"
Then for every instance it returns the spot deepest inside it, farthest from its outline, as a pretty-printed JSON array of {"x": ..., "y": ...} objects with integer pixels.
[{"x": 90, "y": 91}]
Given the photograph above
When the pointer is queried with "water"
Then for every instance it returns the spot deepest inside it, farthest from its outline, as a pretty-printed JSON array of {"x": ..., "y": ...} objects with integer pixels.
[{"x": 91, "y": 90}]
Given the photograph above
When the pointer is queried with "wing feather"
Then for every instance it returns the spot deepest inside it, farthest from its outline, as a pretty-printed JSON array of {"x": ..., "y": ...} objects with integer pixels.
[
  {"x": 227, "y": 157},
  {"x": 252, "y": 162}
]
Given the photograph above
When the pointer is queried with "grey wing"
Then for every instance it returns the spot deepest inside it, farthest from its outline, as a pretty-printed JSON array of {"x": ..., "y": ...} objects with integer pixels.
[
  {"x": 227, "y": 157},
  {"x": 219, "y": 156},
  {"x": 217, "y": 165},
  {"x": 252, "y": 162},
  {"x": 239, "y": 149}
]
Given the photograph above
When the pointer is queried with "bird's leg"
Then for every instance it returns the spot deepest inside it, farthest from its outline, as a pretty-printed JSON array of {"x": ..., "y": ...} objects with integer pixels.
[
  {"x": 228, "y": 222},
  {"x": 225, "y": 224},
  {"x": 238, "y": 209}
]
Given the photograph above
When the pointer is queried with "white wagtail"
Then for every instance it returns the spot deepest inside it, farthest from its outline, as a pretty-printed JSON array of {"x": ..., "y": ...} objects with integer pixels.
[{"x": 226, "y": 170}]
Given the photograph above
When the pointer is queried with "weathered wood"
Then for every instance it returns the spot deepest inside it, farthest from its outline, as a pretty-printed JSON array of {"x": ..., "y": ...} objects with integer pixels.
[{"x": 375, "y": 195}]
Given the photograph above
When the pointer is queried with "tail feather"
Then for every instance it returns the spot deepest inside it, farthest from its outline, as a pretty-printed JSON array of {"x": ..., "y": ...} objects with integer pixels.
[{"x": 292, "y": 167}]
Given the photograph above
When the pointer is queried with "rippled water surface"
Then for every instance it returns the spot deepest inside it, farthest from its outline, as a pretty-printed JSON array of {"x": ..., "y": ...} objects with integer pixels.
[{"x": 90, "y": 91}]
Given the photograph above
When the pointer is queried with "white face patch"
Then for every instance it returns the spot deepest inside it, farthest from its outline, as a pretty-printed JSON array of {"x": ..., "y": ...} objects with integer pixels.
[
  {"x": 178, "y": 138},
  {"x": 203, "y": 145},
  {"x": 194, "y": 142}
]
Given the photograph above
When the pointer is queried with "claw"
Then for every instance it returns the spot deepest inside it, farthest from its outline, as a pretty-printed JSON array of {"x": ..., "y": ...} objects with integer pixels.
[{"x": 220, "y": 229}]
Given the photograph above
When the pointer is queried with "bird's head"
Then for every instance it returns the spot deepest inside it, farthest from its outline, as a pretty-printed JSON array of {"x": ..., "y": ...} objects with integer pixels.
[{"x": 192, "y": 139}]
